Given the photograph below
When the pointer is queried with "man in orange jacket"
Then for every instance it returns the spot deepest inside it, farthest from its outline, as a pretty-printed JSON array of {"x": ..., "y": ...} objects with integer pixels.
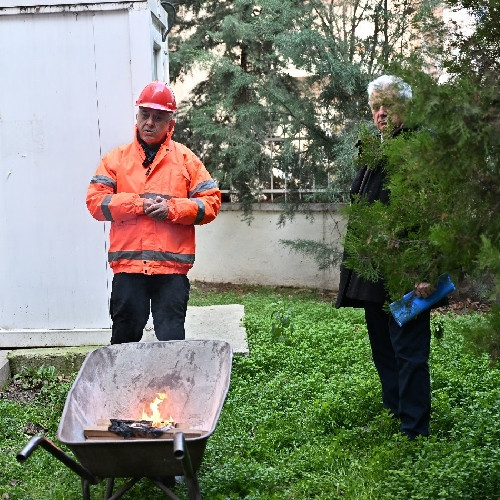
[{"x": 153, "y": 191}]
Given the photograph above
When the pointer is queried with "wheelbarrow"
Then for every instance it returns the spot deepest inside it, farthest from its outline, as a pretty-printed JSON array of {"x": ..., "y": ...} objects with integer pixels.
[{"x": 116, "y": 383}]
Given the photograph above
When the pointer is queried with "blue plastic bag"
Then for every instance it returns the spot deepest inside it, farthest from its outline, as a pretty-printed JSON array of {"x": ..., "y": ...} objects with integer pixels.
[{"x": 410, "y": 305}]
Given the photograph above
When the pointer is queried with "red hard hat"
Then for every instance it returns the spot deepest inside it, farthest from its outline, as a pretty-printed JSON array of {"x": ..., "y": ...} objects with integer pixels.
[{"x": 157, "y": 95}]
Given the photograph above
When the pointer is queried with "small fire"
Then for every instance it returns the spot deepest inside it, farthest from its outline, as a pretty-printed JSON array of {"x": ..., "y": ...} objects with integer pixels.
[{"x": 155, "y": 417}]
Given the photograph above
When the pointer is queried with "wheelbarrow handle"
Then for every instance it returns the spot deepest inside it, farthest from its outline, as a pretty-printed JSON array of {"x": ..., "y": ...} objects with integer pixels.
[
  {"x": 55, "y": 451},
  {"x": 181, "y": 452}
]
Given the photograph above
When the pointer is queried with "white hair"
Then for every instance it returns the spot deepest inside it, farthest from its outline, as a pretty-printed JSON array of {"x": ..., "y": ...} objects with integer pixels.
[{"x": 385, "y": 81}]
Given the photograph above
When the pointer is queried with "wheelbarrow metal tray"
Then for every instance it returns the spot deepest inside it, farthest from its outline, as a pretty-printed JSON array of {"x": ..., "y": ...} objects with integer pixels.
[{"x": 119, "y": 381}]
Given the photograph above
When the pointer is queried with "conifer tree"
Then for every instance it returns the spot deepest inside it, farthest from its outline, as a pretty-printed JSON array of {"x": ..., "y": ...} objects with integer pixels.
[{"x": 249, "y": 93}]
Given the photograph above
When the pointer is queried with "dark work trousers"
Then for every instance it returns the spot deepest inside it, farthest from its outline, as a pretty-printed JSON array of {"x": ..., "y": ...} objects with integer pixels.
[
  {"x": 133, "y": 295},
  {"x": 401, "y": 357}
]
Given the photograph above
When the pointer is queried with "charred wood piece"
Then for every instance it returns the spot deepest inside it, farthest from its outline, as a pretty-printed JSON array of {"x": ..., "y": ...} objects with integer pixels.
[{"x": 136, "y": 428}]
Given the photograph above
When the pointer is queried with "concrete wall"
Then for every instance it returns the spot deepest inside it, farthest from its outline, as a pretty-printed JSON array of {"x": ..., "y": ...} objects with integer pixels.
[{"x": 231, "y": 251}]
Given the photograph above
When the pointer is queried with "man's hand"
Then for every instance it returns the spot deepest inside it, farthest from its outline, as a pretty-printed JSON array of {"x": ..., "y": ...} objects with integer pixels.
[
  {"x": 156, "y": 209},
  {"x": 423, "y": 290},
  {"x": 146, "y": 204}
]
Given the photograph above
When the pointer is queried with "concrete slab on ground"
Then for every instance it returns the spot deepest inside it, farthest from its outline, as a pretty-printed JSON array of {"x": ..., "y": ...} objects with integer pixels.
[{"x": 66, "y": 349}]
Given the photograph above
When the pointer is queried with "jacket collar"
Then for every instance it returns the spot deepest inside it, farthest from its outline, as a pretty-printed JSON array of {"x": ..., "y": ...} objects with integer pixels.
[{"x": 150, "y": 152}]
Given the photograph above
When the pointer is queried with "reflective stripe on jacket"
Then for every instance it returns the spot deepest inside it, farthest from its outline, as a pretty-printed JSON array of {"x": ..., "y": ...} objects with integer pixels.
[{"x": 138, "y": 243}]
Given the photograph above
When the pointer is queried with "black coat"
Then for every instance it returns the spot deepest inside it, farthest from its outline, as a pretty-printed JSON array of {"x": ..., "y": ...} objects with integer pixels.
[
  {"x": 369, "y": 184},
  {"x": 353, "y": 289}
]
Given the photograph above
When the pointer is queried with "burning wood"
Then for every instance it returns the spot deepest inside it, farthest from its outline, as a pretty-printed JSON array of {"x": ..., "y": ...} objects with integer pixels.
[
  {"x": 115, "y": 428},
  {"x": 151, "y": 426},
  {"x": 133, "y": 428}
]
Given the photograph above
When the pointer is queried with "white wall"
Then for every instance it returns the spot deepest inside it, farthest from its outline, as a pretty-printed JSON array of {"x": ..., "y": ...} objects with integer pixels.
[{"x": 229, "y": 250}]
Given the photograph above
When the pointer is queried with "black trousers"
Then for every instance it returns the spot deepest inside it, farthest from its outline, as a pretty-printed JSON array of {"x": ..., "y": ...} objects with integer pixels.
[
  {"x": 132, "y": 297},
  {"x": 401, "y": 357}
]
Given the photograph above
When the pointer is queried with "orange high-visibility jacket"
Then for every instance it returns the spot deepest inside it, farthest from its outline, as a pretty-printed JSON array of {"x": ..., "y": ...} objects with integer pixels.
[{"x": 138, "y": 243}]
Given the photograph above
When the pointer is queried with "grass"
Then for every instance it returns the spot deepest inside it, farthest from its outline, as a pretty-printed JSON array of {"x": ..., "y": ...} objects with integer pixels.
[{"x": 303, "y": 417}]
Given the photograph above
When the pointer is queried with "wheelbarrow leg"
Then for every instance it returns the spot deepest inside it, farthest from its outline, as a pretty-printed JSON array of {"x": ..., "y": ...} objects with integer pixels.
[
  {"x": 159, "y": 484},
  {"x": 109, "y": 487},
  {"x": 193, "y": 487},
  {"x": 124, "y": 489},
  {"x": 182, "y": 453},
  {"x": 85, "y": 489}
]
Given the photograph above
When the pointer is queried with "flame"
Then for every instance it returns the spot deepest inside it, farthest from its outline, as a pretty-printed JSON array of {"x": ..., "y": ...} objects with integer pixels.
[{"x": 155, "y": 417}]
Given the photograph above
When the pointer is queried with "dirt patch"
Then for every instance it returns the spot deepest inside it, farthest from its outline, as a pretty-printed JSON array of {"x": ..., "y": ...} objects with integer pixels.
[
  {"x": 25, "y": 389},
  {"x": 244, "y": 289},
  {"x": 18, "y": 392},
  {"x": 464, "y": 306},
  {"x": 458, "y": 304}
]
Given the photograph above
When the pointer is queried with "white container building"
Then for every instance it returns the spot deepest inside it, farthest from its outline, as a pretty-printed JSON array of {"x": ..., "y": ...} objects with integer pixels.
[{"x": 69, "y": 76}]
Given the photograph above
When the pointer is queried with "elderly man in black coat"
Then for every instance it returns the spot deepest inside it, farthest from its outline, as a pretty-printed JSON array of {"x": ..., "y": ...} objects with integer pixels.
[{"x": 400, "y": 353}]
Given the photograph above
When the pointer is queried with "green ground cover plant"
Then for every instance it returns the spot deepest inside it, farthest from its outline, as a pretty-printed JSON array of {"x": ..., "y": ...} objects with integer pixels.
[{"x": 303, "y": 417}]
